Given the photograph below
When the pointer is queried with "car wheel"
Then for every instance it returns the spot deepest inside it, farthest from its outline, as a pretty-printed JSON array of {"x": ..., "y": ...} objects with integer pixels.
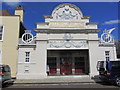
[{"x": 118, "y": 81}]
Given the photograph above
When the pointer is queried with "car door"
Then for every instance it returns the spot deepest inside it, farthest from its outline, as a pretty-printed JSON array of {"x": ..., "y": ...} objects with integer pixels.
[{"x": 115, "y": 69}]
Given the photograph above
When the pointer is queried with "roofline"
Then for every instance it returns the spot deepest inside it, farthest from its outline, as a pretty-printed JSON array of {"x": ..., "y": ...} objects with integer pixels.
[
  {"x": 86, "y": 23},
  {"x": 67, "y": 31},
  {"x": 42, "y": 23},
  {"x": 8, "y": 12},
  {"x": 50, "y": 16},
  {"x": 26, "y": 46},
  {"x": 47, "y": 16},
  {"x": 11, "y": 16},
  {"x": 22, "y": 24},
  {"x": 86, "y": 17},
  {"x": 92, "y": 23}
]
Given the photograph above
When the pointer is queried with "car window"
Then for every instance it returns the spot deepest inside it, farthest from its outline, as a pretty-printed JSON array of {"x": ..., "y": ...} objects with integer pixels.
[
  {"x": 115, "y": 65},
  {"x": 100, "y": 65},
  {"x": 2, "y": 69},
  {"x": 7, "y": 69}
]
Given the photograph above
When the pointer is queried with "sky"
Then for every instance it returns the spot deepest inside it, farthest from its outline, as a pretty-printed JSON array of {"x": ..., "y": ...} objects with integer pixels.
[{"x": 104, "y": 13}]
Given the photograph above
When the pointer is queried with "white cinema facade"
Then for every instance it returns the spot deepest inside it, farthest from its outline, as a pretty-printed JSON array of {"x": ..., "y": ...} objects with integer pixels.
[{"x": 67, "y": 42}]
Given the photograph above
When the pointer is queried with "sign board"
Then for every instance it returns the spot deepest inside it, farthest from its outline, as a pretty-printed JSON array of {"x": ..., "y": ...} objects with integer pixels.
[{"x": 66, "y": 25}]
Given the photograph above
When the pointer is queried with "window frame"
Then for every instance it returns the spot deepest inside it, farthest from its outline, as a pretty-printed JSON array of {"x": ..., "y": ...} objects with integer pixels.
[
  {"x": 2, "y": 33},
  {"x": 27, "y": 57},
  {"x": 1, "y": 56},
  {"x": 107, "y": 55}
]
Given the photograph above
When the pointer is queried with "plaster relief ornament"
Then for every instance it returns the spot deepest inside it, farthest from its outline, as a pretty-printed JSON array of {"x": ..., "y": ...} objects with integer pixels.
[
  {"x": 67, "y": 14},
  {"x": 67, "y": 36},
  {"x": 67, "y": 43},
  {"x": 106, "y": 37},
  {"x": 27, "y": 37}
]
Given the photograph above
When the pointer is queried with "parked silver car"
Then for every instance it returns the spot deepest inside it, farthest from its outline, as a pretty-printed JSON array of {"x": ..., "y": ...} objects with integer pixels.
[{"x": 5, "y": 75}]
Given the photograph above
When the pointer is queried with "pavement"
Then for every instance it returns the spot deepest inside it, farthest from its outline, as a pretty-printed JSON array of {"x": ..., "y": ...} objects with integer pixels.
[
  {"x": 59, "y": 82},
  {"x": 56, "y": 80}
]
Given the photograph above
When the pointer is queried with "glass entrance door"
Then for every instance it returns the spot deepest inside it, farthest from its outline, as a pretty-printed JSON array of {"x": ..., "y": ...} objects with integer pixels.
[
  {"x": 52, "y": 63},
  {"x": 68, "y": 62},
  {"x": 65, "y": 66},
  {"x": 79, "y": 65}
]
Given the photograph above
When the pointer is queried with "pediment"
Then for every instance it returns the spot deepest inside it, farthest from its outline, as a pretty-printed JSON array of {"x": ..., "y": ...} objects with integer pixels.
[{"x": 66, "y": 12}]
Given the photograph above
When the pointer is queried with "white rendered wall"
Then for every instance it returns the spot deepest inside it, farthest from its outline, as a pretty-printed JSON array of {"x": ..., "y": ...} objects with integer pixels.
[
  {"x": 97, "y": 53},
  {"x": 37, "y": 64},
  {"x": 41, "y": 57},
  {"x": 60, "y": 36},
  {"x": 38, "y": 55},
  {"x": 93, "y": 57},
  {"x": 31, "y": 66},
  {"x": 112, "y": 50}
]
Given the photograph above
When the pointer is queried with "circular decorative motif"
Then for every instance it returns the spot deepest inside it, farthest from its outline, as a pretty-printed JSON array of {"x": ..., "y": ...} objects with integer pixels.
[
  {"x": 27, "y": 38},
  {"x": 67, "y": 44},
  {"x": 107, "y": 38},
  {"x": 67, "y": 36}
]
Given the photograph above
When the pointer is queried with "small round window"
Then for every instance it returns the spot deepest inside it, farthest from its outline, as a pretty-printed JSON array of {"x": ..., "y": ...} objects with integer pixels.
[{"x": 27, "y": 38}]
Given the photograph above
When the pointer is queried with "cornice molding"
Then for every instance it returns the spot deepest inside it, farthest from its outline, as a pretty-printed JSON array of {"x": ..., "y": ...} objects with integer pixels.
[{"x": 67, "y": 31}]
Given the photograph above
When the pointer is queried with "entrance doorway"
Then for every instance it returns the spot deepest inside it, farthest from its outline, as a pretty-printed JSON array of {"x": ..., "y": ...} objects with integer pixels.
[
  {"x": 52, "y": 63},
  {"x": 68, "y": 62},
  {"x": 79, "y": 65},
  {"x": 65, "y": 66}
]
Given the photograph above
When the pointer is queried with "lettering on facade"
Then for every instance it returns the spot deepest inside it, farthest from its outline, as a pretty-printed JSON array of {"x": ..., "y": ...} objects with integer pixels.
[{"x": 67, "y": 24}]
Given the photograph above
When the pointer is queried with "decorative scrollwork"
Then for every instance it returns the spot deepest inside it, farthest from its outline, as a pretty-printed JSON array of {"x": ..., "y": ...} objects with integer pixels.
[
  {"x": 67, "y": 43},
  {"x": 27, "y": 37},
  {"x": 67, "y": 14},
  {"x": 106, "y": 37}
]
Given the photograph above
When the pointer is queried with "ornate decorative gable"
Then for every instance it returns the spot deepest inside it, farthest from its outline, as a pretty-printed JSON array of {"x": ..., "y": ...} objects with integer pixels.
[
  {"x": 66, "y": 16},
  {"x": 67, "y": 12}
]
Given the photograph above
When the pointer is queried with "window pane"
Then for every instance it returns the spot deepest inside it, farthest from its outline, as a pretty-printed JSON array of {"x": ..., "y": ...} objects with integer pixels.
[
  {"x": 107, "y": 55},
  {"x": 27, "y": 59},
  {"x": 116, "y": 65},
  {"x": 1, "y": 28},
  {"x": 1, "y": 31},
  {"x": 27, "y": 56}
]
